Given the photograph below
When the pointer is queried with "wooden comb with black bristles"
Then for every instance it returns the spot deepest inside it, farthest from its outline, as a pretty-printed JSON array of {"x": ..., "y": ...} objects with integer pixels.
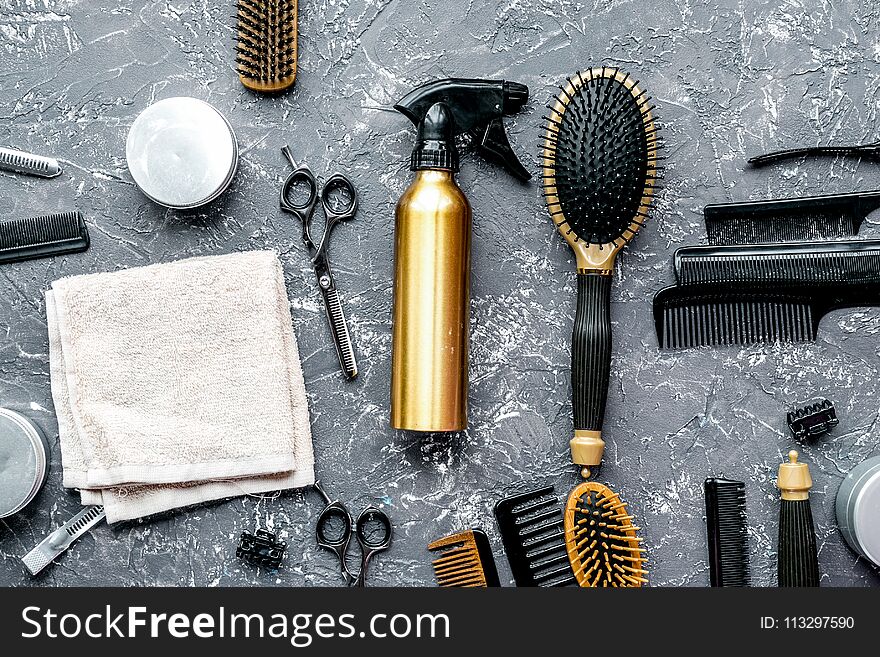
[
  {"x": 466, "y": 561},
  {"x": 601, "y": 540},
  {"x": 267, "y": 48},
  {"x": 600, "y": 169}
]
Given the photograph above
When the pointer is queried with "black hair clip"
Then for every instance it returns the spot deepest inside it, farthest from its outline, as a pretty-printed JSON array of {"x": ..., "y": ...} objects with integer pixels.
[
  {"x": 261, "y": 549},
  {"x": 812, "y": 420}
]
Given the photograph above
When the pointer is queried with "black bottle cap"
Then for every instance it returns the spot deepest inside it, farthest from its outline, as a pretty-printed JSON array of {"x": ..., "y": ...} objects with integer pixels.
[{"x": 435, "y": 143}]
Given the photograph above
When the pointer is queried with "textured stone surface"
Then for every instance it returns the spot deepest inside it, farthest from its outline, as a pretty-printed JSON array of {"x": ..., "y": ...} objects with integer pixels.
[{"x": 730, "y": 79}]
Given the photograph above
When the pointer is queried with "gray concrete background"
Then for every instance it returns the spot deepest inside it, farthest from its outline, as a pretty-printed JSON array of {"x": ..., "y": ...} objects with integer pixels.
[{"x": 730, "y": 79}]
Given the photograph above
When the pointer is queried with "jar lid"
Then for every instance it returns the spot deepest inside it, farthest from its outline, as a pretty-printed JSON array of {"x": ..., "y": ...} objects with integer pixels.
[
  {"x": 866, "y": 517},
  {"x": 181, "y": 152},
  {"x": 24, "y": 461}
]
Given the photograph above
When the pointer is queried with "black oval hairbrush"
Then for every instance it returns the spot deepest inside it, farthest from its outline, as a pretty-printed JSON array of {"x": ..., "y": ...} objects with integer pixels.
[{"x": 599, "y": 160}]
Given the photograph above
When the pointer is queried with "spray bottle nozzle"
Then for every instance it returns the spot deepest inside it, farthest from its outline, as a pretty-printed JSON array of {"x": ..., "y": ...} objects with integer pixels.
[{"x": 477, "y": 107}]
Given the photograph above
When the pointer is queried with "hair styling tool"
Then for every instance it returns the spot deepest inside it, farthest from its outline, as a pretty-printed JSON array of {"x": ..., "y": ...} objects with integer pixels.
[
  {"x": 334, "y": 529},
  {"x": 727, "y": 532},
  {"x": 32, "y": 165},
  {"x": 340, "y": 202},
  {"x": 850, "y": 262},
  {"x": 432, "y": 248},
  {"x": 477, "y": 108},
  {"x": 533, "y": 533},
  {"x": 62, "y": 538},
  {"x": 798, "y": 560},
  {"x": 261, "y": 549},
  {"x": 267, "y": 47},
  {"x": 42, "y": 237},
  {"x": 599, "y": 159},
  {"x": 466, "y": 560},
  {"x": 856, "y": 504},
  {"x": 601, "y": 540},
  {"x": 719, "y": 314},
  {"x": 812, "y": 420},
  {"x": 871, "y": 151},
  {"x": 789, "y": 219}
]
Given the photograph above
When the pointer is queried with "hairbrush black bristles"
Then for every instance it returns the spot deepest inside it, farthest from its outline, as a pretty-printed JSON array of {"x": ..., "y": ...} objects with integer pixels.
[
  {"x": 804, "y": 263},
  {"x": 466, "y": 560},
  {"x": 42, "y": 237},
  {"x": 727, "y": 532},
  {"x": 533, "y": 534},
  {"x": 718, "y": 314},
  {"x": 789, "y": 219},
  {"x": 267, "y": 44},
  {"x": 600, "y": 170},
  {"x": 603, "y": 548}
]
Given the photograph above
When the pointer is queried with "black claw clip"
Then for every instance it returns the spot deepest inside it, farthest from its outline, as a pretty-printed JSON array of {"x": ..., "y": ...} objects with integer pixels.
[
  {"x": 262, "y": 549},
  {"x": 812, "y": 420}
]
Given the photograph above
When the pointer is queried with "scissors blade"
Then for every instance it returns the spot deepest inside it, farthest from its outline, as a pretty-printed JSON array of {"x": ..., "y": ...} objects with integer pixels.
[{"x": 339, "y": 329}]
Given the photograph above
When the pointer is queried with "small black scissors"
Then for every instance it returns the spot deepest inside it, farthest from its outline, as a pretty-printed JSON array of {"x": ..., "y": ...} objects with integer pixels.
[
  {"x": 375, "y": 539},
  {"x": 342, "y": 210}
]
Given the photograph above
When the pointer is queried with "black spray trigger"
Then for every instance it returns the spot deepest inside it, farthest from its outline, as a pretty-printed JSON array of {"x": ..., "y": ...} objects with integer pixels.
[{"x": 495, "y": 145}]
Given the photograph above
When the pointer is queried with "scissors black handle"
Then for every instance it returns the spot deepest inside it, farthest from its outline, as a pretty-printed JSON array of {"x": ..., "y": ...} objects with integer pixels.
[
  {"x": 339, "y": 541},
  {"x": 369, "y": 546}
]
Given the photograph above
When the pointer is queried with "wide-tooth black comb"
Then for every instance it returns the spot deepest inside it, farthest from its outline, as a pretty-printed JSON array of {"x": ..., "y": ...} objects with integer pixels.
[
  {"x": 727, "y": 532},
  {"x": 267, "y": 44},
  {"x": 720, "y": 314},
  {"x": 466, "y": 561},
  {"x": 789, "y": 219},
  {"x": 533, "y": 533},
  {"x": 42, "y": 237},
  {"x": 850, "y": 262}
]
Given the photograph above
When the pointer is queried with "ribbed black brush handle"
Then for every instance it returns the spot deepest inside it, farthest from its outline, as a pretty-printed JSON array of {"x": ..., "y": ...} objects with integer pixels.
[
  {"x": 798, "y": 560},
  {"x": 591, "y": 351}
]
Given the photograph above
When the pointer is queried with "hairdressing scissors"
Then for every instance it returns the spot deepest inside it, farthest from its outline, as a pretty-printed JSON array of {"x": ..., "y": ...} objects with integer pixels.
[
  {"x": 340, "y": 202},
  {"x": 372, "y": 529}
]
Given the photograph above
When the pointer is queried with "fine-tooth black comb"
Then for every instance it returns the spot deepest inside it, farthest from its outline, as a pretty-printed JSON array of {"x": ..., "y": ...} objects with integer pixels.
[
  {"x": 466, "y": 560},
  {"x": 600, "y": 168},
  {"x": 267, "y": 47},
  {"x": 42, "y": 237},
  {"x": 533, "y": 533},
  {"x": 720, "y": 314},
  {"x": 727, "y": 532},
  {"x": 849, "y": 262},
  {"x": 871, "y": 151},
  {"x": 789, "y": 219}
]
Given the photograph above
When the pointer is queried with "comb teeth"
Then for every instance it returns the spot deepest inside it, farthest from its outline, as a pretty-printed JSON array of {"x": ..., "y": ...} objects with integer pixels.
[
  {"x": 43, "y": 236},
  {"x": 532, "y": 531},
  {"x": 790, "y": 219},
  {"x": 599, "y": 157},
  {"x": 712, "y": 315},
  {"x": 267, "y": 48},
  {"x": 601, "y": 540},
  {"x": 727, "y": 532},
  {"x": 466, "y": 562},
  {"x": 34, "y": 165},
  {"x": 848, "y": 263}
]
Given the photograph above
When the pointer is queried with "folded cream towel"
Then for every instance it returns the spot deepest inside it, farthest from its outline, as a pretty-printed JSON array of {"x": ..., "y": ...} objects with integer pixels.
[{"x": 178, "y": 383}]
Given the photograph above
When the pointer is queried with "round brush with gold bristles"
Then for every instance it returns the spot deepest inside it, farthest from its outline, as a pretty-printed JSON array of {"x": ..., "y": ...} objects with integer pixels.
[
  {"x": 599, "y": 161},
  {"x": 601, "y": 540}
]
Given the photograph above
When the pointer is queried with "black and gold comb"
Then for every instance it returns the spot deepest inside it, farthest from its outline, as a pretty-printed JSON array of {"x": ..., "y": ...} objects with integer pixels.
[{"x": 466, "y": 560}]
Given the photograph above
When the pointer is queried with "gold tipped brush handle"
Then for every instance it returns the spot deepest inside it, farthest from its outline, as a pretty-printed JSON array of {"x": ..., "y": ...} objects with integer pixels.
[{"x": 587, "y": 448}]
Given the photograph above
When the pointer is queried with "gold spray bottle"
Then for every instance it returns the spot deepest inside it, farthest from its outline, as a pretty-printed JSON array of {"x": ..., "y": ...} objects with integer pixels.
[{"x": 432, "y": 251}]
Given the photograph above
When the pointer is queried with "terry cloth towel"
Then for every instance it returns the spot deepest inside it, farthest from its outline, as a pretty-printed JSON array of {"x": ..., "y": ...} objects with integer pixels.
[{"x": 178, "y": 383}]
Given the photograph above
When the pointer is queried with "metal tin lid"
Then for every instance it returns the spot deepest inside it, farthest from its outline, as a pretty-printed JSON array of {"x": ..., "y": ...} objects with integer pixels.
[
  {"x": 866, "y": 517},
  {"x": 24, "y": 461},
  {"x": 181, "y": 152}
]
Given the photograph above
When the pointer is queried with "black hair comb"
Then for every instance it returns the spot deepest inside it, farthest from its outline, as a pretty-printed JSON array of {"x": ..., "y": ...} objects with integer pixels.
[
  {"x": 727, "y": 532},
  {"x": 42, "y": 237}
]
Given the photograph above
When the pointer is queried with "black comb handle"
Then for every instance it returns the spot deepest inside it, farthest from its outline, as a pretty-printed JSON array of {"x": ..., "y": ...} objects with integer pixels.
[
  {"x": 590, "y": 366},
  {"x": 727, "y": 532},
  {"x": 862, "y": 150}
]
